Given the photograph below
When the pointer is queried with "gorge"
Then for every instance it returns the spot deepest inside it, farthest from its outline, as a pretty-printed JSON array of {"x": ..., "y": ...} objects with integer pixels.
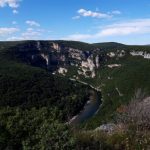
[{"x": 46, "y": 85}]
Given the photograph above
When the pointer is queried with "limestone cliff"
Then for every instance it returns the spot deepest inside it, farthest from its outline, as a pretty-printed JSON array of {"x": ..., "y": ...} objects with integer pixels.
[{"x": 64, "y": 57}]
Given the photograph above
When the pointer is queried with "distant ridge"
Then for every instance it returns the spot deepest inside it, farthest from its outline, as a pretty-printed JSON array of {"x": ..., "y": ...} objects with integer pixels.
[
  {"x": 76, "y": 44},
  {"x": 109, "y": 45}
]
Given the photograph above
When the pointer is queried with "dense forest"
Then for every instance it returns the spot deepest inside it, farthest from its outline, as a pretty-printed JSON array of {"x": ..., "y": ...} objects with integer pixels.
[{"x": 34, "y": 105}]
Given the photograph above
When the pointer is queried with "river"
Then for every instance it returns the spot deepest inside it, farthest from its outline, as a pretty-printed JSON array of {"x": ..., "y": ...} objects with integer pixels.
[{"x": 90, "y": 108}]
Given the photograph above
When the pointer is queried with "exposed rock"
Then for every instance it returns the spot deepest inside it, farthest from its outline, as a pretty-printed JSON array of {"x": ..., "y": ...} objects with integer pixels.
[
  {"x": 62, "y": 71},
  {"x": 97, "y": 61},
  {"x": 46, "y": 57},
  {"x": 120, "y": 94},
  {"x": 109, "y": 78},
  {"x": 121, "y": 53},
  {"x": 109, "y": 128},
  {"x": 117, "y": 53},
  {"x": 80, "y": 72},
  {"x": 111, "y": 54},
  {"x": 39, "y": 45},
  {"x": 32, "y": 57},
  {"x": 53, "y": 55},
  {"x": 62, "y": 58},
  {"x": 56, "y": 47},
  {"x": 54, "y": 73},
  {"x": 147, "y": 56},
  {"x": 140, "y": 53},
  {"x": 114, "y": 65},
  {"x": 137, "y": 53},
  {"x": 88, "y": 66},
  {"x": 93, "y": 74},
  {"x": 75, "y": 53}
]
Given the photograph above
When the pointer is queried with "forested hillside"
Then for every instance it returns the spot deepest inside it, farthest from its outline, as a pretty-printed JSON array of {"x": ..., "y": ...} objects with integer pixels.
[
  {"x": 44, "y": 84},
  {"x": 35, "y": 105}
]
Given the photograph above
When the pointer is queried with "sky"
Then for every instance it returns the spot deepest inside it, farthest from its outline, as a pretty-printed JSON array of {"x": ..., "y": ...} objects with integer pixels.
[{"x": 92, "y": 21}]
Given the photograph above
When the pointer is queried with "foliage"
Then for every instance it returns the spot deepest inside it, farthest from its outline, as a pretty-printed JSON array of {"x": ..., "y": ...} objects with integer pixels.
[
  {"x": 98, "y": 140},
  {"x": 33, "y": 129},
  {"x": 34, "y": 105}
]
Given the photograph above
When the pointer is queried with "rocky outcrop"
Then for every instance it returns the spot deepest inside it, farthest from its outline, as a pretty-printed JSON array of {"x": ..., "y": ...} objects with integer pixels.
[
  {"x": 109, "y": 128},
  {"x": 62, "y": 71},
  {"x": 88, "y": 67},
  {"x": 75, "y": 53},
  {"x": 46, "y": 58},
  {"x": 111, "y": 54},
  {"x": 39, "y": 45},
  {"x": 57, "y": 54},
  {"x": 121, "y": 53},
  {"x": 56, "y": 47},
  {"x": 97, "y": 61},
  {"x": 117, "y": 53},
  {"x": 140, "y": 53},
  {"x": 114, "y": 65}
]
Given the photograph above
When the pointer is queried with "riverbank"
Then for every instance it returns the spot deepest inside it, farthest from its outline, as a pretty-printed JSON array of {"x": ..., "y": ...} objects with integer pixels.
[{"x": 89, "y": 109}]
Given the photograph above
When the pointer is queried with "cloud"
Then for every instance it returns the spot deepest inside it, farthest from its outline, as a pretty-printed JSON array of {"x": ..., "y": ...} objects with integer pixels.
[
  {"x": 89, "y": 13},
  {"x": 116, "y": 12},
  {"x": 29, "y": 29},
  {"x": 14, "y": 22},
  {"x": 95, "y": 14},
  {"x": 10, "y": 3},
  {"x": 15, "y": 11},
  {"x": 15, "y": 38},
  {"x": 7, "y": 31},
  {"x": 32, "y": 23},
  {"x": 137, "y": 26},
  {"x": 76, "y": 17},
  {"x": 114, "y": 31},
  {"x": 28, "y": 34}
]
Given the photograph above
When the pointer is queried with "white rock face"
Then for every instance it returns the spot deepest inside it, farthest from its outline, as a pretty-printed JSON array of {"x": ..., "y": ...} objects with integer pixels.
[
  {"x": 38, "y": 45},
  {"x": 56, "y": 47},
  {"x": 32, "y": 57},
  {"x": 111, "y": 54},
  {"x": 62, "y": 58},
  {"x": 121, "y": 53},
  {"x": 106, "y": 128},
  {"x": 110, "y": 78},
  {"x": 140, "y": 53},
  {"x": 62, "y": 71},
  {"x": 97, "y": 61},
  {"x": 74, "y": 64},
  {"x": 75, "y": 53},
  {"x": 114, "y": 65},
  {"x": 120, "y": 94},
  {"x": 46, "y": 57},
  {"x": 147, "y": 56},
  {"x": 88, "y": 66},
  {"x": 111, "y": 128},
  {"x": 80, "y": 72}
]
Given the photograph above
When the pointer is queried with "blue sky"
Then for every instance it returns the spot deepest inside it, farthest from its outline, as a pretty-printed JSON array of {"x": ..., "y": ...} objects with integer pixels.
[{"x": 125, "y": 21}]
